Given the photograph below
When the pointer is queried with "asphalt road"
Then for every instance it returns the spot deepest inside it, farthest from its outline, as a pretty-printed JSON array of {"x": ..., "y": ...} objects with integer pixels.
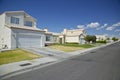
[{"x": 101, "y": 64}]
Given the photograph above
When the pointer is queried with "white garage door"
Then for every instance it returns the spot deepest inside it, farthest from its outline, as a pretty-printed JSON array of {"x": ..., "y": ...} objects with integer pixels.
[{"x": 25, "y": 41}]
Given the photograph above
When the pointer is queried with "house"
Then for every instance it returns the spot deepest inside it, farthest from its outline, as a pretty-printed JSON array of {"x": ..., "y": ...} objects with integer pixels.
[
  {"x": 101, "y": 37},
  {"x": 73, "y": 36},
  {"x": 51, "y": 37},
  {"x": 18, "y": 30},
  {"x": 67, "y": 36}
]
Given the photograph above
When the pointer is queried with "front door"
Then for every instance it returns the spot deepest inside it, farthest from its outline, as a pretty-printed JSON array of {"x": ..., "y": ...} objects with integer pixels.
[{"x": 60, "y": 40}]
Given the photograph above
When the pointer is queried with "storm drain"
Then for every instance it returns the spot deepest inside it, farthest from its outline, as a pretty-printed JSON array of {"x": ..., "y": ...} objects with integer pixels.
[
  {"x": 26, "y": 64},
  {"x": 50, "y": 55},
  {"x": 92, "y": 52}
]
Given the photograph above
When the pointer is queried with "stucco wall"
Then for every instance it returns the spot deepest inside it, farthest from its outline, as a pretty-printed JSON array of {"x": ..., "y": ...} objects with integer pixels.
[
  {"x": 55, "y": 39},
  {"x": 5, "y": 32},
  {"x": 72, "y": 39}
]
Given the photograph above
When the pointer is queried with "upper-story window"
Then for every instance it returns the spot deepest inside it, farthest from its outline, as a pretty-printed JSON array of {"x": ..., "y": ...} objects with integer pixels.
[
  {"x": 28, "y": 23},
  {"x": 14, "y": 20}
]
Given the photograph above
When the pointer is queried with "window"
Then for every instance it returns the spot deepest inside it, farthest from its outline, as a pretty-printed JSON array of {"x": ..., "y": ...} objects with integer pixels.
[
  {"x": 71, "y": 32},
  {"x": 47, "y": 38},
  {"x": 28, "y": 23},
  {"x": 14, "y": 20}
]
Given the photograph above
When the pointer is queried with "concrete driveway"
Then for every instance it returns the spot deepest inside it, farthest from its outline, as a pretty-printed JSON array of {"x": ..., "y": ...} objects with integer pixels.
[{"x": 49, "y": 52}]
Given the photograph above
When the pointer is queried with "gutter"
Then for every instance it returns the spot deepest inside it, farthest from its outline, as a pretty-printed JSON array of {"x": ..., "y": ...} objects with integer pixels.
[{"x": 24, "y": 28}]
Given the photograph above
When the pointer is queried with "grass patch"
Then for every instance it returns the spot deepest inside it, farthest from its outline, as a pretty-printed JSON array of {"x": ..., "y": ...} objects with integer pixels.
[
  {"x": 16, "y": 55},
  {"x": 98, "y": 44},
  {"x": 65, "y": 48},
  {"x": 69, "y": 47},
  {"x": 76, "y": 45},
  {"x": 80, "y": 45}
]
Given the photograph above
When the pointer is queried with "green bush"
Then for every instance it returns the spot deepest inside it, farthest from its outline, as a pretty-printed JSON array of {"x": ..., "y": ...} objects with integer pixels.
[
  {"x": 103, "y": 41},
  {"x": 72, "y": 43},
  {"x": 90, "y": 38},
  {"x": 115, "y": 39}
]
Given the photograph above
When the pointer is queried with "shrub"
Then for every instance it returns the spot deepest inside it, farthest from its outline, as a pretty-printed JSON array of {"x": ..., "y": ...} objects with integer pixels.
[
  {"x": 114, "y": 39},
  {"x": 72, "y": 43},
  {"x": 103, "y": 41},
  {"x": 90, "y": 38}
]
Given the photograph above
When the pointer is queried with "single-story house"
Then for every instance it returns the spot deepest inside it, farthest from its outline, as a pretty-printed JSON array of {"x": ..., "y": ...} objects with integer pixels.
[
  {"x": 51, "y": 37},
  {"x": 101, "y": 37},
  {"x": 67, "y": 36},
  {"x": 73, "y": 36},
  {"x": 18, "y": 30}
]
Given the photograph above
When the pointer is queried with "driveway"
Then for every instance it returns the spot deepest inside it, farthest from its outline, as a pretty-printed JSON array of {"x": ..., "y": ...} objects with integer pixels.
[{"x": 49, "y": 52}]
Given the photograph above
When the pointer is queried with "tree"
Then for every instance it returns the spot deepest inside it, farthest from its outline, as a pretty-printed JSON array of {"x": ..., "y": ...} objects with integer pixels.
[
  {"x": 89, "y": 38},
  {"x": 93, "y": 39},
  {"x": 114, "y": 39},
  {"x": 108, "y": 38}
]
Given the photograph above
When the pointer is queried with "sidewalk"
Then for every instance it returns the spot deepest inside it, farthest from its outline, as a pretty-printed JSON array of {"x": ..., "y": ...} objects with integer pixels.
[{"x": 17, "y": 66}]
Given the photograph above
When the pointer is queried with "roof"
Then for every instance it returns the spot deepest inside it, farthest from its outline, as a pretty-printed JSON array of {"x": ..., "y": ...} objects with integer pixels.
[
  {"x": 27, "y": 15},
  {"x": 56, "y": 34},
  {"x": 50, "y": 33},
  {"x": 74, "y": 32},
  {"x": 26, "y": 28}
]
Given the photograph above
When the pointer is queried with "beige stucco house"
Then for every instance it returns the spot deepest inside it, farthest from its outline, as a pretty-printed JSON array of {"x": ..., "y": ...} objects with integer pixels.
[
  {"x": 67, "y": 36},
  {"x": 73, "y": 36},
  {"x": 101, "y": 37}
]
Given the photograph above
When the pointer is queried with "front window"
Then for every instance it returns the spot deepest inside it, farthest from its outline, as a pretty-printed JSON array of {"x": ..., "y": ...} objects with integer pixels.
[
  {"x": 14, "y": 20},
  {"x": 47, "y": 38},
  {"x": 28, "y": 23}
]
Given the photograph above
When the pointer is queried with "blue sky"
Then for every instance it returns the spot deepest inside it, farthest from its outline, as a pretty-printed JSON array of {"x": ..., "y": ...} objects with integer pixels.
[{"x": 96, "y": 16}]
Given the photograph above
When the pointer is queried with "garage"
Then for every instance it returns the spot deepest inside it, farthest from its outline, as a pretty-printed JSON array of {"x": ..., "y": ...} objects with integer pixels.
[
  {"x": 25, "y": 41},
  {"x": 24, "y": 38}
]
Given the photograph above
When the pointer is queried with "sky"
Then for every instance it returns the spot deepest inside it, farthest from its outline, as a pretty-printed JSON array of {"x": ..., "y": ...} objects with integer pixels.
[{"x": 95, "y": 16}]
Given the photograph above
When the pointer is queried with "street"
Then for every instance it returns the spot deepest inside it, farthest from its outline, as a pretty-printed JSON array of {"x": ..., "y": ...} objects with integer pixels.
[{"x": 100, "y": 64}]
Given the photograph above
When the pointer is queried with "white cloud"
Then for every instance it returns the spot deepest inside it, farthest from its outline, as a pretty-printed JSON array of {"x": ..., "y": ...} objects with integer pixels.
[
  {"x": 110, "y": 28},
  {"x": 117, "y": 30},
  {"x": 113, "y": 26},
  {"x": 116, "y": 25},
  {"x": 93, "y": 25},
  {"x": 105, "y": 25},
  {"x": 80, "y": 26}
]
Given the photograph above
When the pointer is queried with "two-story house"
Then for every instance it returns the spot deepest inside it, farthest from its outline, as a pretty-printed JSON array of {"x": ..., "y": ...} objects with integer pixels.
[{"x": 18, "y": 30}]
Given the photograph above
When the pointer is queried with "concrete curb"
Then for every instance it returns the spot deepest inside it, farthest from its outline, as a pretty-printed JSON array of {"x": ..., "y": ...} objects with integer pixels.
[
  {"x": 90, "y": 49},
  {"x": 10, "y": 71}
]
